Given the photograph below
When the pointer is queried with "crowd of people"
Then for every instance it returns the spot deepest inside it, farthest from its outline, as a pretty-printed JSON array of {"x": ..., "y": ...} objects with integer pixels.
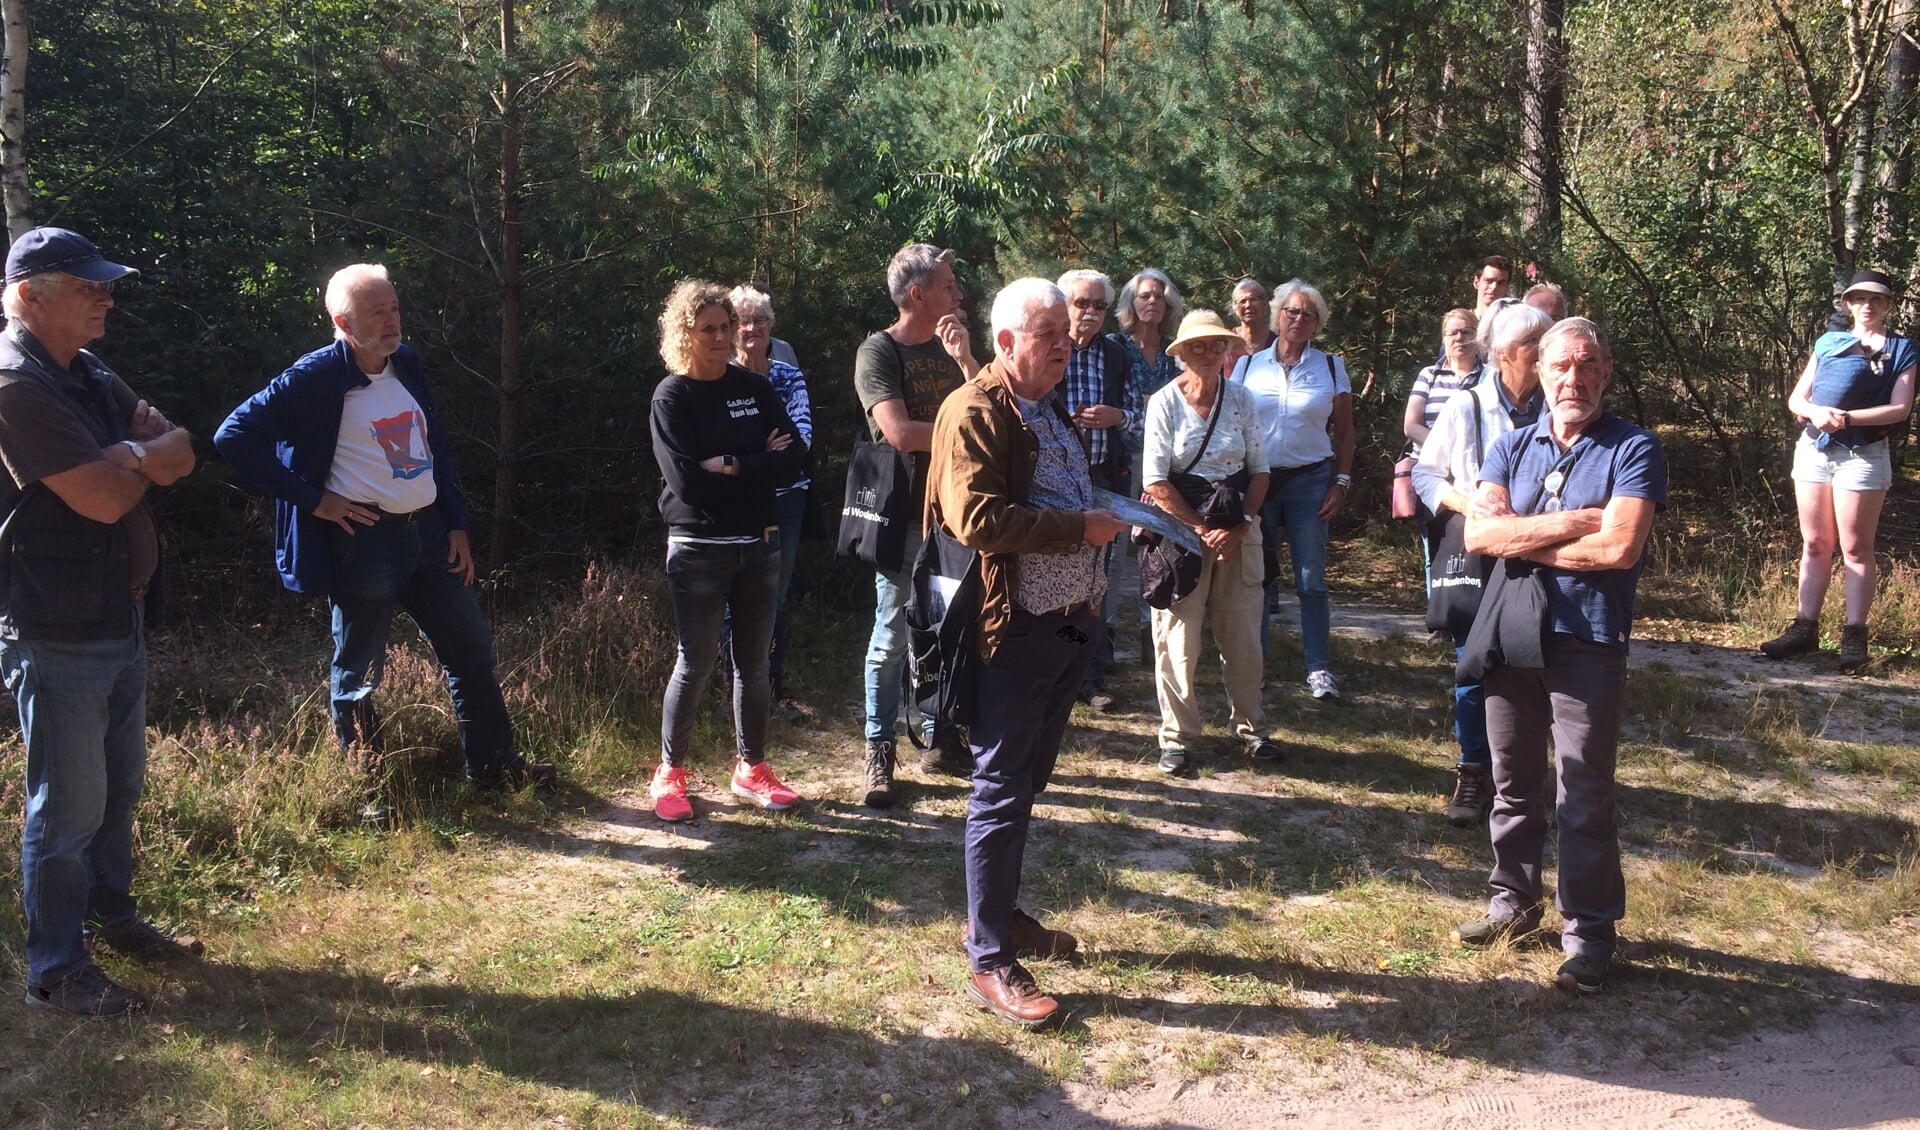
[{"x": 1531, "y": 495}]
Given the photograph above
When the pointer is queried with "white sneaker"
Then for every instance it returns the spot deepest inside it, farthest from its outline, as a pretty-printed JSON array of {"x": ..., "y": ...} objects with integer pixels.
[{"x": 1322, "y": 684}]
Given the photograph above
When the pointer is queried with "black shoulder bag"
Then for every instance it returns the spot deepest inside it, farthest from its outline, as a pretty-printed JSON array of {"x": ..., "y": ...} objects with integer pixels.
[
  {"x": 1513, "y": 624},
  {"x": 1455, "y": 578},
  {"x": 877, "y": 510},
  {"x": 1167, "y": 571}
]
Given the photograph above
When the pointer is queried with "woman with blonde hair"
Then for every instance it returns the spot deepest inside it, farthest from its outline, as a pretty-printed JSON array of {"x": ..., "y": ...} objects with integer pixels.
[
  {"x": 1856, "y": 387},
  {"x": 725, "y": 445}
]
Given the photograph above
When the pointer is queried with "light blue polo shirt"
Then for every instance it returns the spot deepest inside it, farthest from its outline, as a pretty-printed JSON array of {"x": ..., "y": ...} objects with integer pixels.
[{"x": 1611, "y": 459}]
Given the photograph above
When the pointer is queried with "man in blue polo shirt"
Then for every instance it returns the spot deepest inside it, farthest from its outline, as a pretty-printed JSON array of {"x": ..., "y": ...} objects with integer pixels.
[{"x": 1575, "y": 494}]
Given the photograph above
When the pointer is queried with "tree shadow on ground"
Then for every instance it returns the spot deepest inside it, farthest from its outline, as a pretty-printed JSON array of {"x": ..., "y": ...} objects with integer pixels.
[
  {"x": 1724, "y": 996},
  {"x": 669, "y": 1054}
]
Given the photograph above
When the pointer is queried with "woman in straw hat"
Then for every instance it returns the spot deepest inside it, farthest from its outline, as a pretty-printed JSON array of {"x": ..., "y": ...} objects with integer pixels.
[
  {"x": 1857, "y": 386},
  {"x": 1206, "y": 464}
]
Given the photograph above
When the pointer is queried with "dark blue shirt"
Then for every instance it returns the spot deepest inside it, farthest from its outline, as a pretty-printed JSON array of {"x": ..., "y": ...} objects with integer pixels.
[
  {"x": 1611, "y": 459},
  {"x": 280, "y": 442},
  {"x": 1845, "y": 378}
]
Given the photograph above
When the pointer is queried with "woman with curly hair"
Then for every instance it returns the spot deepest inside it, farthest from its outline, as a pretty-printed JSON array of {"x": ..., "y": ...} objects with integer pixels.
[{"x": 725, "y": 446}]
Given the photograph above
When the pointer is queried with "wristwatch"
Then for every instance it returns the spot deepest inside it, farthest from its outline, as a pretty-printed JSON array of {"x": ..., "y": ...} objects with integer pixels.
[
  {"x": 728, "y": 461},
  {"x": 139, "y": 455},
  {"x": 1248, "y": 518}
]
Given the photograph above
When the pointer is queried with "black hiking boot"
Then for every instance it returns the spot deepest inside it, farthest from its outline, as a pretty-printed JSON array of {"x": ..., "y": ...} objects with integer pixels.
[
  {"x": 1853, "y": 647},
  {"x": 1472, "y": 797},
  {"x": 1801, "y": 637}
]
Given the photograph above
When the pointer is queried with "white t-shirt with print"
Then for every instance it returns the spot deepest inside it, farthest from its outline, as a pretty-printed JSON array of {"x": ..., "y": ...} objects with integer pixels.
[
  {"x": 1295, "y": 404},
  {"x": 382, "y": 456}
]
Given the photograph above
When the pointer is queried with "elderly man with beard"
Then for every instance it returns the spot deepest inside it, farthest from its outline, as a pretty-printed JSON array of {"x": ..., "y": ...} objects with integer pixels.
[
  {"x": 1008, "y": 479},
  {"x": 1575, "y": 495}
]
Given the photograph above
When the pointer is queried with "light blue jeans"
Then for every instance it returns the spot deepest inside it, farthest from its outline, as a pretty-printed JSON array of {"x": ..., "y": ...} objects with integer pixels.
[
  {"x": 1292, "y": 510},
  {"x": 83, "y": 714},
  {"x": 887, "y": 647}
]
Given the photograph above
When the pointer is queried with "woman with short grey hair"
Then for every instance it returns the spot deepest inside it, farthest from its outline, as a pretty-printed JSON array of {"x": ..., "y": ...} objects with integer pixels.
[
  {"x": 1305, "y": 403},
  {"x": 1250, "y": 308}
]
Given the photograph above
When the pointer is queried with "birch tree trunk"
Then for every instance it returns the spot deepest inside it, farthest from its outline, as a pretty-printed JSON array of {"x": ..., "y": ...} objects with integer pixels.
[
  {"x": 511, "y": 297},
  {"x": 13, "y": 121}
]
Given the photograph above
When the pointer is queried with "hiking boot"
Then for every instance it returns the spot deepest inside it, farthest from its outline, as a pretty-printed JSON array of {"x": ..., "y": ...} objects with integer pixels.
[
  {"x": 948, "y": 755},
  {"x": 1801, "y": 637},
  {"x": 669, "y": 789},
  {"x": 1173, "y": 760},
  {"x": 1582, "y": 974},
  {"x": 757, "y": 785},
  {"x": 141, "y": 940},
  {"x": 1487, "y": 930},
  {"x": 1472, "y": 797},
  {"x": 1853, "y": 647},
  {"x": 1322, "y": 684},
  {"x": 86, "y": 992},
  {"x": 1010, "y": 992},
  {"x": 1265, "y": 749},
  {"x": 880, "y": 762},
  {"x": 512, "y": 776}
]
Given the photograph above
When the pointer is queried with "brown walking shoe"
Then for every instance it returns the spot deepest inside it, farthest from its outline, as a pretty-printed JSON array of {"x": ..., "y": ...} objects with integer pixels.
[
  {"x": 1030, "y": 939},
  {"x": 1853, "y": 647},
  {"x": 1010, "y": 992},
  {"x": 1801, "y": 637}
]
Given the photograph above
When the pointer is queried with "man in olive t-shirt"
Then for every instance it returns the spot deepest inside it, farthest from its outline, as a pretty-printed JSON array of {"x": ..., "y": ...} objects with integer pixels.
[{"x": 902, "y": 374}]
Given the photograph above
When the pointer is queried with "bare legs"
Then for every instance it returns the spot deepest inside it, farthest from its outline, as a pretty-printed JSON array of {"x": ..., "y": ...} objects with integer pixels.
[{"x": 1845, "y": 519}]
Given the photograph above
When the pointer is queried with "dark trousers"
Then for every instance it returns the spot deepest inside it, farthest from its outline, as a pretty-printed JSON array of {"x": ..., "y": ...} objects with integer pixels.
[
  {"x": 1578, "y": 699},
  {"x": 380, "y": 569},
  {"x": 1025, "y": 696},
  {"x": 707, "y": 582}
]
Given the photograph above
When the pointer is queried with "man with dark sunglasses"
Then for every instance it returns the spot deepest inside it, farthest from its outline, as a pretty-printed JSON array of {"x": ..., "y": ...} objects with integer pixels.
[{"x": 1575, "y": 495}]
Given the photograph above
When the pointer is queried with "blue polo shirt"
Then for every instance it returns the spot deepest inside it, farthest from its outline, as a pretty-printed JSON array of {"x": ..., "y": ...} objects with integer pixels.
[{"x": 1611, "y": 459}]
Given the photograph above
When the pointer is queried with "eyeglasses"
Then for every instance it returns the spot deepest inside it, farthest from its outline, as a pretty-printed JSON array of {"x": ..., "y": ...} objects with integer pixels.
[
  {"x": 1300, "y": 314},
  {"x": 1091, "y": 305},
  {"x": 94, "y": 290}
]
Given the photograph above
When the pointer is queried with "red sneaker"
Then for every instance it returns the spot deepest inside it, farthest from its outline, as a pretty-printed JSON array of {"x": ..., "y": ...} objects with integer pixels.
[
  {"x": 669, "y": 791},
  {"x": 757, "y": 783}
]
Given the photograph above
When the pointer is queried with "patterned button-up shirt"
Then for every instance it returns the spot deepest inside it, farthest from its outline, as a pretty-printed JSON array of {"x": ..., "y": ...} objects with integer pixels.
[{"x": 1051, "y": 581}]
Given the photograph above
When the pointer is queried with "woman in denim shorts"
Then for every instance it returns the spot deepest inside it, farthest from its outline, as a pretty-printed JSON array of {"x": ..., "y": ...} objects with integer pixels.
[{"x": 1856, "y": 388}]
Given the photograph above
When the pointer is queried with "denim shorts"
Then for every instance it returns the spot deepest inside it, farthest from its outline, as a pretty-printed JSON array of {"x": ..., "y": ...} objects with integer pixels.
[{"x": 1847, "y": 468}]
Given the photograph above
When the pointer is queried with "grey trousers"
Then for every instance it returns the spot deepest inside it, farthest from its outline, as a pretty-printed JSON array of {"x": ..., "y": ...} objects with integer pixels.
[{"x": 1578, "y": 699}]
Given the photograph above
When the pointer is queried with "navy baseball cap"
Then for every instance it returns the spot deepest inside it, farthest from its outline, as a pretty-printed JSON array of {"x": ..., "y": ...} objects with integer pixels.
[{"x": 56, "y": 249}]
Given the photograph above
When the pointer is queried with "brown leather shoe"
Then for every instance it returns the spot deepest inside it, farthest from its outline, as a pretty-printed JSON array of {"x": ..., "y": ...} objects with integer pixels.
[
  {"x": 1030, "y": 939},
  {"x": 1010, "y": 992}
]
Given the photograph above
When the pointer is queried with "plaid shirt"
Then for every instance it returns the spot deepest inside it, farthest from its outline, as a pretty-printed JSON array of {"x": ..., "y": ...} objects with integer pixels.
[{"x": 1086, "y": 384}]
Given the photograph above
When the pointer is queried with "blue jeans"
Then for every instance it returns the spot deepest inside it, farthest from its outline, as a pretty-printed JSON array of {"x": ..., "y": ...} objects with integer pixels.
[
  {"x": 790, "y": 511},
  {"x": 377, "y": 569},
  {"x": 706, "y": 581},
  {"x": 1470, "y": 716},
  {"x": 1025, "y": 697},
  {"x": 1292, "y": 510},
  {"x": 887, "y": 647},
  {"x": 83, "y": 715}
]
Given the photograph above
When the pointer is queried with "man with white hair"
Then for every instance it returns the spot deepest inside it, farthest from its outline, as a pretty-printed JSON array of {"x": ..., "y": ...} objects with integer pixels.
[
  {"x": 1103, "y": 400},
  {"x": 1568, "y": 504},
  {"x": 368, "y": 512},
  {"x": 1009, "y": 480},
  {"x": 78, "y": 549}
]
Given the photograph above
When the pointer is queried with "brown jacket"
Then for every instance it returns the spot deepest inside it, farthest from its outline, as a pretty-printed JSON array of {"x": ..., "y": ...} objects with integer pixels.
[{"x": 980, "y": 473}]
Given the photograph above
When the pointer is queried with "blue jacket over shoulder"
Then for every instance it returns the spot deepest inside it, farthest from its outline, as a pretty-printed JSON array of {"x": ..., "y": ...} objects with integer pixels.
[{"x": 281, "y": 441}]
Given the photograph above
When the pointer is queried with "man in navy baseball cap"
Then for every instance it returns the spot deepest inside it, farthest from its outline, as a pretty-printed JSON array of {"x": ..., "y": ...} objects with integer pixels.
[
  {"x": 44, "y": 251},
  {"x": 79, "y": 452}
]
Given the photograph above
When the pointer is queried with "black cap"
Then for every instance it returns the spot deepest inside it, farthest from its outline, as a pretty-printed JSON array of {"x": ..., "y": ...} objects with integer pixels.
[
  {"x": 1873, "y": 282},
  {"x": 45, "y": 250}
]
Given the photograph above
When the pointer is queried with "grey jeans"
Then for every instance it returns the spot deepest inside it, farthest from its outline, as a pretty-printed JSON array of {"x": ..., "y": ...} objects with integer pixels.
[
  {"x": 1578, "y": 698},
  {"x": 705, "y": 581}
]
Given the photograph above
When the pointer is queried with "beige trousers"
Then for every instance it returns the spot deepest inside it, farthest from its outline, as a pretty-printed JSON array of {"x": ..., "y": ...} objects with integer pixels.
[{"x": 1227, "y": 600}]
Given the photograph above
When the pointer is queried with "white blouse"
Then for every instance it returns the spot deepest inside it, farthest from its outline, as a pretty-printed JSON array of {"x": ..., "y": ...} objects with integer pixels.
[
  {"x": 1295, "y": 404},
  {"x": 1174, "y": 431}
]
